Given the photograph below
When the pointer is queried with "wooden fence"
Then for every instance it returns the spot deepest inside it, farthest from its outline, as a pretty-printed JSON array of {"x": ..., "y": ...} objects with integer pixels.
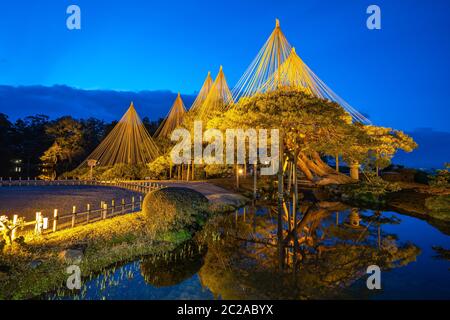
[
  {"x": 141, "y": 186},
  {"x": 55, "y": 221}
]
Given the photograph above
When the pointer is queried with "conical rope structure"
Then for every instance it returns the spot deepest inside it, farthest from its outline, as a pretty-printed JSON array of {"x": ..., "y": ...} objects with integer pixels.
[
  {"x": 174, "y": 119},
  {"x": 277, "y": 65},
  {"x": 202, "y": 95},
  {"x": 218, "y": 99},
  {"x": 273, "y": 53},
  {"x": 128, "y": 143}
]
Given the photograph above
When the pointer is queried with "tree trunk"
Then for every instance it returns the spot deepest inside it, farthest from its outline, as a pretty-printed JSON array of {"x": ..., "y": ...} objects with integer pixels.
[
  {"x": 337, "y": 162},
  {"x": 320, "y": 163},
  {"x": 255, "y": 177},
  {"x": 290, "y": 170},
  {"x": 280, "y": 199},
  {"x": 354, "y": 171},
  {"x": 315, "y": 168},
  {"x": 305, "y": 169},
  {"x": 188, "y": 172},
  {"x": 295, "y": 202}
]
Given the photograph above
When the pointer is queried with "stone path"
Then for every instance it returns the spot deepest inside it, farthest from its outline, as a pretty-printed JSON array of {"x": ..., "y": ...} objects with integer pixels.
[{"x": 215, "y": 194}]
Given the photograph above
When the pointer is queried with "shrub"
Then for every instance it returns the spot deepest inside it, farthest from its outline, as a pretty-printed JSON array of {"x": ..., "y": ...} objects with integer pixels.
[
  {"x": 84, "y": 173},
  {"x": 376, "y": 185},
  {"x": 172, "y": 210},
  {"x": 371, "y": 190},
  {"x": 158, "y": 169},
  {"x": 7, "y": 228},
  {"x": 124, "y": 171},
  {"x": 441, "y": 179},
  {"x": 217, "y": 170}
]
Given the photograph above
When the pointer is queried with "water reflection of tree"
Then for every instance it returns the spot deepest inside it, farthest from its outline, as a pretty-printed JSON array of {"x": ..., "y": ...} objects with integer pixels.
[
  {"x": 317, "y": 254},
  {"x": 171, "y": 269}
]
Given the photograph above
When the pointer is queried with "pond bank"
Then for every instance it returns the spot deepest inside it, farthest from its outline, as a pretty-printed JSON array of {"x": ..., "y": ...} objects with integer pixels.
[
  {"x": 39, "y": 264},
  {"x": 418, "y": 200}
]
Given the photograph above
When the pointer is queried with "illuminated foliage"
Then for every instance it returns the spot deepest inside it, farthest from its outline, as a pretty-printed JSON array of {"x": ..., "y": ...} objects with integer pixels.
[
  {"x": 159, "y": 169},
  {"x": 441, "y": 178},
  {"x": 309, "y": 125},
  {"x": 313, "y": 127},
  {"x": 123, "y": 171},
  {"x": 385, "y": 142},
  {"x": 173, "y": 210},
  {"x": 49, "y": 160},
  {"x": 217, "y": 170},
  {"x": 68, "y": 136},
  {"x": 7, "y": 228}
]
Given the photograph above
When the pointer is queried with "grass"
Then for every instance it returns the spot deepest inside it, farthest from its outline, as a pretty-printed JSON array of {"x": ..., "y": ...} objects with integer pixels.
[
  {"x": 107, "y": 242},
  {"x": 36, "y": 267}
]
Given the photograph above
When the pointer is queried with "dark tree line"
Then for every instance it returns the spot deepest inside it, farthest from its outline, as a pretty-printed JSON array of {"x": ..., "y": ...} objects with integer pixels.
[{"x": 27, "y": 144}]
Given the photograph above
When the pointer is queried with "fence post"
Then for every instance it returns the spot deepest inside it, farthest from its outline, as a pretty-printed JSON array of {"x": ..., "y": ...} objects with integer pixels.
[
  {"x": 113, "y": 204},
  {"x": 36, "y": 222},
  {"x": 44, "y": 223},
  {"x": 13, "y": 234},
  {"x": 55, "y": 219},
  {"x": 140, "y": 202},
  {"x": 74, "y": 210},
  {"x": 132, "y": 204},
  {"x": 123, "y": 206},
  {"x": 37, "y": 227},
  {"x": 105, "y": 211},
  {"x": 88, "y": 209}
]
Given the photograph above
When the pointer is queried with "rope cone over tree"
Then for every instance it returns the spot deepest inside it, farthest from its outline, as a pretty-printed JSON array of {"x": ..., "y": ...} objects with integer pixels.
[
  {"x": 277, "y": 65},
  {"x": 173, "y": 119},
  {"x": 278, "y": 90},
  {"x": 202, "y": 95},
  {"x": 218, "y": 99},
  {"x": 127, "y": 143}
]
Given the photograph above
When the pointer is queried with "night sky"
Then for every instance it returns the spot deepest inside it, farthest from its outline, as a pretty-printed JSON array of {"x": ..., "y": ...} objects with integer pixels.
[{"x": 397, "y": 75}]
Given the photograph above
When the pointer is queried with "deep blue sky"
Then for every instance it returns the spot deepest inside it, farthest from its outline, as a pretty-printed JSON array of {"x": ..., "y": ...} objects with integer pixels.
[{"x": 397, "y": 75}]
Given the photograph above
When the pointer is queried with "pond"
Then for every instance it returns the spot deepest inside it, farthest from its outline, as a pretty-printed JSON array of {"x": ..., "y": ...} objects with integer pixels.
[
  {"x": 27, "y": 200},
  {"x": 256, "y": 253}
]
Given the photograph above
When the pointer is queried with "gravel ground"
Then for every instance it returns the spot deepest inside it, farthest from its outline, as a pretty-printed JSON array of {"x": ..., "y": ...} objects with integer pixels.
[{"x": 27, "y": 200}]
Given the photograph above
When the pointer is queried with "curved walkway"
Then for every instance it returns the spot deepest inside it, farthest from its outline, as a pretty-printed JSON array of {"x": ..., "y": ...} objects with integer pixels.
[{"x": 215, "y": 194}]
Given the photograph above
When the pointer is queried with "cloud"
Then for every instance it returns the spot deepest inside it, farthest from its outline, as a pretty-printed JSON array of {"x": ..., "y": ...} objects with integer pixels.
[{"x": 59, "y": 100}]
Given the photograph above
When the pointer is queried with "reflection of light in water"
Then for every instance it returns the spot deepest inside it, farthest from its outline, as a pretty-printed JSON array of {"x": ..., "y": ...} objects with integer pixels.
[
  {"x": 317, "y": 254},
  {"x": 323, "y": 258}
]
